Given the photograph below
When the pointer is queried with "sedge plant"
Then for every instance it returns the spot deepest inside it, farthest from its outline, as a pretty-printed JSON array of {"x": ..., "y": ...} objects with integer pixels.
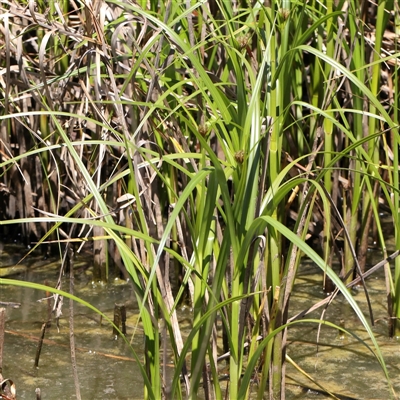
[{"x": 196, "y": 143}]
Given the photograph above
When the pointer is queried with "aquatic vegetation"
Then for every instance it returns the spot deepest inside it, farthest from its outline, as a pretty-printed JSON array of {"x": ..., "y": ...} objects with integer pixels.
[{"x": 204, "y": 149}]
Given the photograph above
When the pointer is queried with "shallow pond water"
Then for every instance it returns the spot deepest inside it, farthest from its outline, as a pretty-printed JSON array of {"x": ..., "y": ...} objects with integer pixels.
[
  {"x": 106, "y": 366},
  {"x": 342, "y": 364}
]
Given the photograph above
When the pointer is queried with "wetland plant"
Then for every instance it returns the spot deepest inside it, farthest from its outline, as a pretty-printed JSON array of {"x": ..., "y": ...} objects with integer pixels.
[{"x": 205, "y": 148}]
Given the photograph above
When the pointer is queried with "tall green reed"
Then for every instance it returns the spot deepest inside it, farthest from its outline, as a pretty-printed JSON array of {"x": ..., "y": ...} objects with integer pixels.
[{"x": 224, "y": 129}]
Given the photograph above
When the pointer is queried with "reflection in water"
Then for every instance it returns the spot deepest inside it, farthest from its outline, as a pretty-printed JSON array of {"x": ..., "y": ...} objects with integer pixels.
[
  {"x": 105, "y": 366},
  {"x": 341, "y": 363}
]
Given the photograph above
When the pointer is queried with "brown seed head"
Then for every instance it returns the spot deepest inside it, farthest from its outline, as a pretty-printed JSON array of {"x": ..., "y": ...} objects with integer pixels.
[
  {"x": 203, "y": 130},
  {"x": 239, "y": 157}
]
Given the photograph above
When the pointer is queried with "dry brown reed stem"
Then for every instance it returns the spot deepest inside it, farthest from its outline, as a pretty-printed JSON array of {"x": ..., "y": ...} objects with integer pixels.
[{"x": 71, "y": 255}]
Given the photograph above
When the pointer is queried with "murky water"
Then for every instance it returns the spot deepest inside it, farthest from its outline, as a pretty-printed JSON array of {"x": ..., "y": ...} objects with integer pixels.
[
  {"x": 343, "y": 365},
  {"x": 106, "y": 367}
]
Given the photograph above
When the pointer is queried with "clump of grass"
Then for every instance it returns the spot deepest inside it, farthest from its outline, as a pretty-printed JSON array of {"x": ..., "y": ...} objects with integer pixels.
[{"x": 212, "y": 138}]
